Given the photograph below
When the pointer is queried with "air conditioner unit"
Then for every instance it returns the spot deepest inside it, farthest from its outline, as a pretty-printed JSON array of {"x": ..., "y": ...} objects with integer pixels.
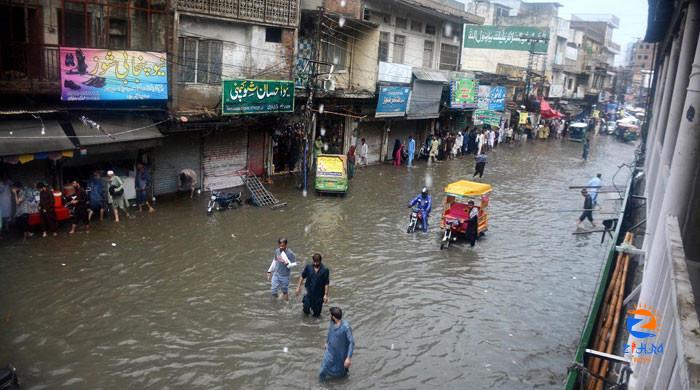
[{"x": 329, "y": 85}]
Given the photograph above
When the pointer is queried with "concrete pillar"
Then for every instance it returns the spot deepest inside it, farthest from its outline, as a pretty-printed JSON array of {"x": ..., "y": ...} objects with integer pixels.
[
  {"x": 683, "y": 169},
  {"x": 670, "y": 127},
  {"x": 654, "y": 114},
  {"x": 662, "y": 119}
]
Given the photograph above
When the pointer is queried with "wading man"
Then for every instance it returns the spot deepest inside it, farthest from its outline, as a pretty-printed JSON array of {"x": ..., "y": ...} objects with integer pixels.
[
  {"x": 281, "y": 268},
  {"x": 317, "y": 278},
  {"x": 339, "y": 347},
  {"x": 587, "y": 208}
]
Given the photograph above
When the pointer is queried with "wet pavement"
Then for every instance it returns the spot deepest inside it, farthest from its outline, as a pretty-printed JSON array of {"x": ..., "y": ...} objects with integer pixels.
[{"x": 177, "y": 299}]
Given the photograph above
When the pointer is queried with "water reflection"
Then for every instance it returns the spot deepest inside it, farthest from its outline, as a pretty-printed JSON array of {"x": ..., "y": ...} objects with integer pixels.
[{"x": 182, "y": 300}]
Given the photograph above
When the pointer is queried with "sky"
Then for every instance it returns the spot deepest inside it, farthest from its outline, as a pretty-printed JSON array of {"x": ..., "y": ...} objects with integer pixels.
[{"x": 632, "y": 14}]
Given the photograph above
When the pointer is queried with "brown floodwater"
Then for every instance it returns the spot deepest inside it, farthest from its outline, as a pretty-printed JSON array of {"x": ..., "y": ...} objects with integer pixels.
[{"x": 177, "y": 299}]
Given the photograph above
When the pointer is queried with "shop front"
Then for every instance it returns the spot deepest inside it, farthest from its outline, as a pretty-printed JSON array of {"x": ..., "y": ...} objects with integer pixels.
[
  {"x": 272, "y": 139},
  {"x": 426, "y": 97},
  {"x": 31, "y": 150}
]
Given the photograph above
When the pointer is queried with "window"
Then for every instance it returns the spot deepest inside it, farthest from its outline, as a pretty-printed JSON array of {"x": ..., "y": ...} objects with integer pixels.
[
  {"x": 571, "y": 84},
  {"x": 117, "y": 33},
  {"x": 335, "y": 51},
  {"x": 430, "y": 29},
  {"x": 416, "y": 26},
  {"x": 401, "y": 23},
  {"x": 273, "y": 34},
  {"x": 500, "y": 12},
  {"x": 428, "y": 49},
  {"x": 449, "y": 57},
  {"x": 639, "y": 57},
  {"x": 384, "y": 38},
  {"x": 200, "y": 60},
  {"x": 113, "y": 24},
  {"x": 399, "y": 49},
  {"x": 646, "y": 57}
]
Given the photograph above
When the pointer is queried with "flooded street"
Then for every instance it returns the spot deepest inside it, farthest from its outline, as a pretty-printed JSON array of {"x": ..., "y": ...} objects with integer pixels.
[{"x": 177, "y": 299}]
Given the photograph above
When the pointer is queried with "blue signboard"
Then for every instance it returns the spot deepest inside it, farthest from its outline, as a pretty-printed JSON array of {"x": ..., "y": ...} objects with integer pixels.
[
  {"x": 392, "y": 101},
  {"x": 497, "y": 99}
]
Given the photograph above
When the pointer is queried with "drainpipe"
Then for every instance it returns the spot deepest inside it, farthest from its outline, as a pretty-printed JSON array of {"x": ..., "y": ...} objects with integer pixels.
[
  {"x": 682, "y": 174},
  {"x": 661, "y": 121},
  {"x": 682, "y": 76}
]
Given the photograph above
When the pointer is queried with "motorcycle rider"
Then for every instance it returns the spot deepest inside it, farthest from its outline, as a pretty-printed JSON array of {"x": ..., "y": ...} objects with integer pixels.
[{"x": 425, "y": 204}]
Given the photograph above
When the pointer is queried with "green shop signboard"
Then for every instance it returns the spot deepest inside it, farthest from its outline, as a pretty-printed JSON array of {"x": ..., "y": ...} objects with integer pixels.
[
  {"x": 463, "y": 93},
  {"x": 487, "y": 117},
  {"x": 257, "y": 97},
  {"x": 506, "y": 38}
]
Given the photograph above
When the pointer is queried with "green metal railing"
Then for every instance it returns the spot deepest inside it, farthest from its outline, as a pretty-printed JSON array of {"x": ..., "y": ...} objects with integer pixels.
[{"x": 603, "y": 283}]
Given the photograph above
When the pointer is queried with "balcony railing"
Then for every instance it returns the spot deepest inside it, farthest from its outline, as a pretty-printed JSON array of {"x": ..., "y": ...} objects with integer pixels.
[
  {"x": 23, "y": 61},
  {"x": 280, "y": 12}
]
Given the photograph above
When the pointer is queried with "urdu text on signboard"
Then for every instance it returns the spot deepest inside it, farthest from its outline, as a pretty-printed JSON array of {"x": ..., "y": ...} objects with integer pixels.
[
  {"x": 102, "y": 74},
  {"x": 506, "y": 38},
  {"x": 463, "y": 93},
  {"x": 392, "y": 101},
  {"x": 257, "y": 96}
]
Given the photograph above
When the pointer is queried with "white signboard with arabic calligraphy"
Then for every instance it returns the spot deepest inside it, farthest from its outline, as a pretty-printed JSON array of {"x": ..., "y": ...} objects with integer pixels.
[
  {"x": 101, "y": 74},
  {"x": 257, "y": 96}
]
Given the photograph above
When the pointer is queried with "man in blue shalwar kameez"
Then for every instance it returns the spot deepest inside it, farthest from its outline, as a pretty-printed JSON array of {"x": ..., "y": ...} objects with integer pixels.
[{"x": 339, "y": 347}]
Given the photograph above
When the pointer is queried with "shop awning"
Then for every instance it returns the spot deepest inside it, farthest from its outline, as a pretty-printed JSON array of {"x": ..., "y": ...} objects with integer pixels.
[
  {"x": 430, "y": 75},
  {"x": 127, "y": 132},
  {"x": 425, "y": 100},
  {"x": 548, "y": 112},
  {"x": 20, "y": 137}
]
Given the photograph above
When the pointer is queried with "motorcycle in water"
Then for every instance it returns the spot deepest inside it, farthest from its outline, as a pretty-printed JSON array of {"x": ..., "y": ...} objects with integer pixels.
[
  {"x": 415, "y": 219},
  {"x": 8, "y": 377},
  {"x": 223, "y": 201}
]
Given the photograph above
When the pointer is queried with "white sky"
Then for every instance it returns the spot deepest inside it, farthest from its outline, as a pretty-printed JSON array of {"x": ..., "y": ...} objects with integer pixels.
[{"x": 632, "y": 14}]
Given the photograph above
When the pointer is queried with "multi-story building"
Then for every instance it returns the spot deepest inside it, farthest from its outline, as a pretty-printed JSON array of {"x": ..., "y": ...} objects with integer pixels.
[
  {"x": 112, "y": 83},
  {"x": 596, "y": 54},
  {"x": 76, "y": 77},
  {"x": 641, "y": 69},
  {"x": 408, "y": 46},
  {"x": 223, "y": 49}
]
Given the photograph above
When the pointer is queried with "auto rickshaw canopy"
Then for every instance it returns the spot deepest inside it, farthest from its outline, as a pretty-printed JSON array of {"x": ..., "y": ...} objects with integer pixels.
[{"x": 467, "y": 188}]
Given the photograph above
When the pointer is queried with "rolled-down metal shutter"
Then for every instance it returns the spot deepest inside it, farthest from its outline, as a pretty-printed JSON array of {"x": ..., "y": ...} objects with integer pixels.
[
  {"x": 178, "y": 151},
  {"x": 372, "y": 132},
  {"x": 225, "y": 155}
]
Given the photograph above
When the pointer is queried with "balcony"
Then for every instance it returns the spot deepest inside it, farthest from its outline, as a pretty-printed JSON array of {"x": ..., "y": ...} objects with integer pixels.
[
  {"x": 279, "y": 12},
  {"x": 29, "y": 68}
]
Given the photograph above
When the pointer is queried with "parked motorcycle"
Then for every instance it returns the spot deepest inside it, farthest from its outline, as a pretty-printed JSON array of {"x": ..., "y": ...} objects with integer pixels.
[
  {"x": 415, "y": 218},
  {"x": 222, "y": 201}
]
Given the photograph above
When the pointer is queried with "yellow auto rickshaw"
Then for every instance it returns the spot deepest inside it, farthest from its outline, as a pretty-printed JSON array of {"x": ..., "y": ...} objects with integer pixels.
[{"x": 457, "y": 217}]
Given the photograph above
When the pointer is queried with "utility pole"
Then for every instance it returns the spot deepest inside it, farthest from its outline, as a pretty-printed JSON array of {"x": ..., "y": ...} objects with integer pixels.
[
  {"x": 313, "y": 67},
  {"x": 531, "y": 63}
]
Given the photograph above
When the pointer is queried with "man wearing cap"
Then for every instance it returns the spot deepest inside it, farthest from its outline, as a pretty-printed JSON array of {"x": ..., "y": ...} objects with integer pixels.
[
  {"x": 280, "y": 269},
  {"x": 425, "y": 203},
  {"x": 340, "y": 344},
  {"x": 115, "y": 195},
  {"x": 587, "y": 208}
]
